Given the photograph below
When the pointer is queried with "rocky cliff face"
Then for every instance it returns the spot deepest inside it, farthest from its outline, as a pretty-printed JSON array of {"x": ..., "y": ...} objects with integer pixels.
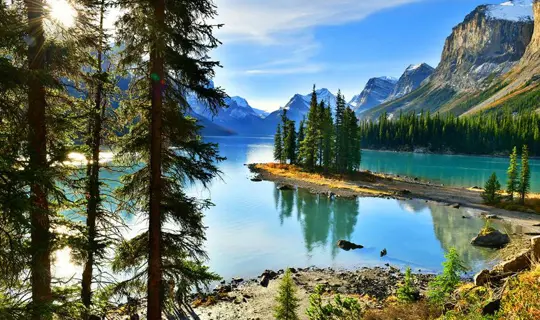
[
  {"x": 411, "y": 79},
  {"x": 376, "y": 91},
  {"x": 532, "y": 54},
  {"x": 489, "y": 42}
]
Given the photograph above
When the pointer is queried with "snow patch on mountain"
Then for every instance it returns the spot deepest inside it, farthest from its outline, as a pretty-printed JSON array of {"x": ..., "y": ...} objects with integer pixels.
[{"x": 514, "y": 10}]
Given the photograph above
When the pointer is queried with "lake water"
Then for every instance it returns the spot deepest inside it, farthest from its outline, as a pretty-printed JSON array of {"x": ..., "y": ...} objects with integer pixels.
[{"x": 254, "y": 227}]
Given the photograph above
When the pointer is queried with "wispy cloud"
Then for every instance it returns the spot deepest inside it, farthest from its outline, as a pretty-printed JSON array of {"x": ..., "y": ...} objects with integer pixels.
[
  {"x": 292, "y": 70},
  {"x": 264, "y": 20}
]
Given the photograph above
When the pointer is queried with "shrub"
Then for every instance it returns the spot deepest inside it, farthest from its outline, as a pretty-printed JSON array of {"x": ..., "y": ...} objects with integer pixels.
[
  {"x": 406, "y": 292},
  {"x": 287, "y": 302},
  {"x": 444, "y": 284},
  {"x": 491, "y": 190},
  {"x": 346, "y": 308}
]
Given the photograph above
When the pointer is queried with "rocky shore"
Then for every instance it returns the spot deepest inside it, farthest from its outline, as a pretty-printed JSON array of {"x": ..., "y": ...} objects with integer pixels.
[{"x": 255, "y": 298}]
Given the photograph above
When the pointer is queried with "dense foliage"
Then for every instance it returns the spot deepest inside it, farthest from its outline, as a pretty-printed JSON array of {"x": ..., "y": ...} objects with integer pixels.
[
  {"x": 342, "y": 308},
  {"x": 58, "y": 94},
  {"x": 320, "y": 143},
  {"x": 483, "y": 134}
]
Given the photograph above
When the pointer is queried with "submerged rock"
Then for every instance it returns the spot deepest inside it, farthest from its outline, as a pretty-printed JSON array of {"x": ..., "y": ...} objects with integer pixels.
[
  {"x": 491, "y": 239},
  {"x": 455, "y": 205},
  {"x": 256, "y": 179},
  {"x": 383, "y": 252},
  {"x": 346, "y": 245}
]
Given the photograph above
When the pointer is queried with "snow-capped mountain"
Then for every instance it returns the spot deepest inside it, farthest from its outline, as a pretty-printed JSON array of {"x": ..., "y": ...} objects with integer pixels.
[
  {"x": 297, "y": 109},
  {"x": 238, "y": 117},
  {"x": 411, "y": 79},
  {"x": 375, "y": 92},
  {"x": 514, "y": 10}
]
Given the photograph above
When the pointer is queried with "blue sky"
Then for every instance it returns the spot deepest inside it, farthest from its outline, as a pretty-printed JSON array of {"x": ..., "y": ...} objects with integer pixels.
[{"x": 273, "y": 49}]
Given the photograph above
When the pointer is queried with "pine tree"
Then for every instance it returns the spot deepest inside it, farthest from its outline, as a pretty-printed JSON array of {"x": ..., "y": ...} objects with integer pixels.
[
  {"x": 300, "y": 137},
  {"x": 308, "y": 149},
  {"x": 327, "y": 128},
  {"x": 491, "y": 190},
  {"x": 341, "y": 135},
  {"x": 353, "y": 141},
  {"x": 287, "y": 302},
  {"x": 278, "y": 145},
  {"x": 178, "y": 38},
  {"x": 512, "y": 182},
  {"x": 289, "y": 142},
  {"x": 406, "y": 292},
  {"x": 444, "y": 284},
  {"x": 525, "y": 176}
]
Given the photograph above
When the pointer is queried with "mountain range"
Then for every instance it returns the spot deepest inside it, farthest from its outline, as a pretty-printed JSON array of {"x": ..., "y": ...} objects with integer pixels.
[{"x": 490, "y": 62}]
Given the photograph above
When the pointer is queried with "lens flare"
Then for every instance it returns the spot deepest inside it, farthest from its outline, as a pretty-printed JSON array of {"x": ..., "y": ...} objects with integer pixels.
[{"x": 62, "y": 12}]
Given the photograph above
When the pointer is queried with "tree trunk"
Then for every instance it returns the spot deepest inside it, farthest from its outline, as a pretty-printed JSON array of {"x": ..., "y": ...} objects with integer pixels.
[
  {"x": 157, "y": 80},
  {"x": 40, "y": 247},
  {"x": 93, "y": 179}
]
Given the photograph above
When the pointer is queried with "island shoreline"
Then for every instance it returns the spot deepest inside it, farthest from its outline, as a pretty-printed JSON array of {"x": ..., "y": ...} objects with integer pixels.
[{"x": 396, "y": 187}]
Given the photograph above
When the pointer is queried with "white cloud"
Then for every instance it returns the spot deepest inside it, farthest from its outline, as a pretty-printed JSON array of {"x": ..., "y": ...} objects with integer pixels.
[
  {"x": 290, "y": 70},
  {"x": 263, "y": 20}
]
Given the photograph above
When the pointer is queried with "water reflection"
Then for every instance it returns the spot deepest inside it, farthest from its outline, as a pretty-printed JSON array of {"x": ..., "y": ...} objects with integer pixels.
[{"x": 324, "y": 221}]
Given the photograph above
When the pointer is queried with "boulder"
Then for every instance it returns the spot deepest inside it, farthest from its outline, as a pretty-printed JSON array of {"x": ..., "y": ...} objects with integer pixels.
[
  {"x": 237, "y": 280},
  {"x": 284, "y": 187},
  {"x": 482, "y": 277},
  {"x": 520, "y": 262},
  {"x": 270, "y": 273},
  {"x": 346, "y": 245},
  {"x": 455, "y": 205},
  {"x": 492, "y": 239},
  {"x": 383, "y": 252},
  {"x": 264, "y": 280},
  {"x": 256, "y": 179},
  {"x": 492, "y": 217},
  {"x": 535, "y": 248}
]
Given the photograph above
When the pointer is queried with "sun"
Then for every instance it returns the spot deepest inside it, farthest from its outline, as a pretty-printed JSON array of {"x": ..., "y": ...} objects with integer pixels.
[{"x": 62, "y": 12}]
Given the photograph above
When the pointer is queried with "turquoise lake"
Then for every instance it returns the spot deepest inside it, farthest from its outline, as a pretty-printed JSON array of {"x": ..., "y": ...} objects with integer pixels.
[{"x": 254, "y": 227}]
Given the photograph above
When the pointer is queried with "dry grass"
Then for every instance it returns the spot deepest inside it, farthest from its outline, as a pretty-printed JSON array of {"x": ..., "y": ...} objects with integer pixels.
[
  {"x": 532, "y": 202},
  {"x": 522, "y": 298},
  {"x": 328, "y": 180},
  {"x": 421, "y": 310}
]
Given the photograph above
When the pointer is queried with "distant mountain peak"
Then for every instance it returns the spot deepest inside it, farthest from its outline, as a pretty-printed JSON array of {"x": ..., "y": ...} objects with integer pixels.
[
  {"x": 513, "y": 10},
  {"x": 411, "y": 79},
  {"x": 414, "y": 67},
  {"x": 374, "y": 93}
]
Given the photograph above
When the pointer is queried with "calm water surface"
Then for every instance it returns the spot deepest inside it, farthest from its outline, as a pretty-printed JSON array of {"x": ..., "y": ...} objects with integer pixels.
[{"x": 253, "y": 226}]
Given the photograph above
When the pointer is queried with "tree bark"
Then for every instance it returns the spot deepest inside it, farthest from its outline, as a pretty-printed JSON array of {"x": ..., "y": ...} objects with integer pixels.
[
  {"x": 157, "y": 80},
  {"x": 40, "y": 246},
  {"x": 93, "y": 178}
]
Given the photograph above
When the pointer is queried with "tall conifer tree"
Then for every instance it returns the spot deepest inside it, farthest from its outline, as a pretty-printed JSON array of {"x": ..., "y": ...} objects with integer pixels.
[
  {"x": 278, "y": 145},
  {"x": 525, "y": 176},
  {"x": 512, "y": 182},
  {"x": 177, "y": 38},
  {"x": 308, "y": 149}
]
